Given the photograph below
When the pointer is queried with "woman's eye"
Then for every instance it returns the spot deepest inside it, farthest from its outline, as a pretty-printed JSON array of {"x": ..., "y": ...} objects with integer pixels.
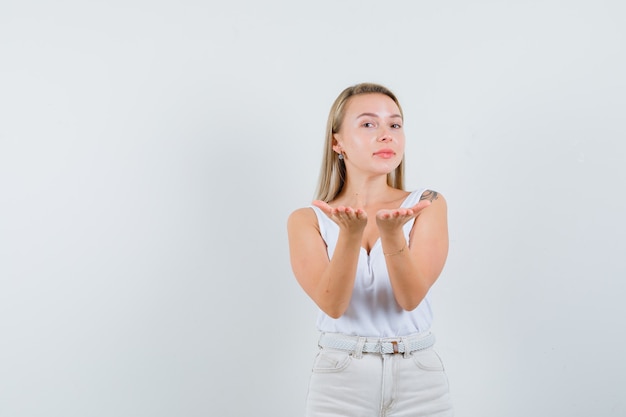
[
  {"x": 396, "y": 126},
  {"x": 368, "y": 124}
]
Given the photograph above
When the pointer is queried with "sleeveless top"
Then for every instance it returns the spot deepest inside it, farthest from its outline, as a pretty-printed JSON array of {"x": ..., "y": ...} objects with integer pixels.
[{"x": 373, "y": 310}]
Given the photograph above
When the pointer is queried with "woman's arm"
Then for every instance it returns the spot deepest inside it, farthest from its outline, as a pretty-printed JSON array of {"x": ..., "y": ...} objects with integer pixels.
[
  {"x": 329, "y": 282},
  {"x": 414, "y": 269}
]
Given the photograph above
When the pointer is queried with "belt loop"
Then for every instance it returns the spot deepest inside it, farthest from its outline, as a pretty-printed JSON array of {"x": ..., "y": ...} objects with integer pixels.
[
  {"x": 319, "y": 341},
  {"x": 358, "y": 349},
  {"x": 407, "y": 348}
]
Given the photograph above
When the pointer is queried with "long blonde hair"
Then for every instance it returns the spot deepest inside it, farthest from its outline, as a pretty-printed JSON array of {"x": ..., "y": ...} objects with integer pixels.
[{"x": 333, "y": 171}]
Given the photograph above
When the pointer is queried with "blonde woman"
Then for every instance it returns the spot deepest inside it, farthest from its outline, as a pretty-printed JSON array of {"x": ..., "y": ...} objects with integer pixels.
[{"x": 367, "y": 252}]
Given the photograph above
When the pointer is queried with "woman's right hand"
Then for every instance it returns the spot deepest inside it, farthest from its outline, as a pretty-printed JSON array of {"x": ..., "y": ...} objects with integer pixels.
[{"x": 350, "y": 219}]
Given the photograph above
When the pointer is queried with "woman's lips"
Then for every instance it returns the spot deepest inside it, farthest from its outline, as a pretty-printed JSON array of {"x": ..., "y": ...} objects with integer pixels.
[{"x": 385, "y": 153}]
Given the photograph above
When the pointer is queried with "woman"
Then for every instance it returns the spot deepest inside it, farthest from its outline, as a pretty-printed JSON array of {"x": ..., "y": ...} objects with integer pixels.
[{"x": 367, "y": 253}]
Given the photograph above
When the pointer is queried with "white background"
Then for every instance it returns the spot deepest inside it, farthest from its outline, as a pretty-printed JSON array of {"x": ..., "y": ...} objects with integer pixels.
[{"x": 151, "y": 151}]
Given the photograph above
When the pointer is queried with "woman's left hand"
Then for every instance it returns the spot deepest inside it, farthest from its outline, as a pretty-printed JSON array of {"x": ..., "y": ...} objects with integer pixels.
[{"x": 389, "y": 220}]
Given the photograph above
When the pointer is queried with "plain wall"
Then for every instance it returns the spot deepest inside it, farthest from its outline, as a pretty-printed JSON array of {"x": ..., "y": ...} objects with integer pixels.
[{"x": 151, "y": 151}]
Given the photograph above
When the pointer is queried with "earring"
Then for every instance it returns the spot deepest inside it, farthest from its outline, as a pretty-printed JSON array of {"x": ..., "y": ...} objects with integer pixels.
[{"x": 340, "y": 157}]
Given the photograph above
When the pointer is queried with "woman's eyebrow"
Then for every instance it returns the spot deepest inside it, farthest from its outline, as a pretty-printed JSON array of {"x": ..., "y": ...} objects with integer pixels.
[{"x": 392, "y": 116}]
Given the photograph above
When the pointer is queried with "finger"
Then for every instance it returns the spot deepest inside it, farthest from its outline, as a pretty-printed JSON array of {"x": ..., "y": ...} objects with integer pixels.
[
  {"x": 344, "y": 210},
  {"x": 349, "y": 210},
  {"x": 338, "y": 210},
  {"x": 355, "y": 214},
  {"x": 343, "y": 214},
  {"x": 421, "y": 205},
  {"x": 322, "y": 205},
  {"x": 398, "y": 213}
]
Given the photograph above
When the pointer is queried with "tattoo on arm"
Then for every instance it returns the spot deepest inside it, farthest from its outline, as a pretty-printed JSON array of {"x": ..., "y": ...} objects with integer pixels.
[{"x": 429, "y": 195}]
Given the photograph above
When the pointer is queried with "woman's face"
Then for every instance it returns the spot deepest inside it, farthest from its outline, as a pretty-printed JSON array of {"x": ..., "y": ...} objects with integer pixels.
[{"x": 371, "y": 137}]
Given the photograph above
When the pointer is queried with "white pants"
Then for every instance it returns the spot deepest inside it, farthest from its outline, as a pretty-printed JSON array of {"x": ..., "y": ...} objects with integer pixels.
[{"x": 355, "y": 384}]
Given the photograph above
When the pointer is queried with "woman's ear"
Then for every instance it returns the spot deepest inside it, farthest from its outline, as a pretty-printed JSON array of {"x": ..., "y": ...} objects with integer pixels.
[{"x": 336, "y": 146}]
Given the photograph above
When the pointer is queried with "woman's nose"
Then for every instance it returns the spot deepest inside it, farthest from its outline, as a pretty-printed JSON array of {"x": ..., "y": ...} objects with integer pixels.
[{"x": 385, "y": 135}]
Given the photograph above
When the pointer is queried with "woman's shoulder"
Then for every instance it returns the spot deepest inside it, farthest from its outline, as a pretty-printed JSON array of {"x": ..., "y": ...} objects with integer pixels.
[
  {"x": 431, "y": 195},
  {"x": 419, "y": 194},
  {"x": 302, "y": 216},
  {"x": 438, "y": 203}
]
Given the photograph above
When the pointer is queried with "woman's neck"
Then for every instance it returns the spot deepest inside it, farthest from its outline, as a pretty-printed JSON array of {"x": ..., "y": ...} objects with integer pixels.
[{"x": 366, "y": 191}]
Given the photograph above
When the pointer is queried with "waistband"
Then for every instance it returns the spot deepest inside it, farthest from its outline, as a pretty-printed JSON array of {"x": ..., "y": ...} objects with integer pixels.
[{"x": 404, "y": 344}]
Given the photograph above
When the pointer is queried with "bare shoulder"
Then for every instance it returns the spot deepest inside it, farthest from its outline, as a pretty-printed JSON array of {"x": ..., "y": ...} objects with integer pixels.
[
  {"x": 438, "y": 202},
  {"x": 302, "y": 217},
  {"x": 432, "y": 196},
  {"x": 303, "y": 232},
  {"x": 432, "y": 221}
]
